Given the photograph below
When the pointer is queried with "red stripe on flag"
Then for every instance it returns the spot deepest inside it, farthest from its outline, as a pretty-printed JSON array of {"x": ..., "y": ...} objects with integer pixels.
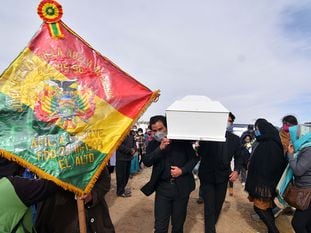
[{"x": 74, "y": 58}]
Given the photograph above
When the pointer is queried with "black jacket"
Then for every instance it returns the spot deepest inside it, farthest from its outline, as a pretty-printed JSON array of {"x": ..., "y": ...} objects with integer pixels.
[
  {"x": 178, "y": 153},
  {"x": 216, "y": 158},
  {"x": 59, "y": 212},
  {"x": 124, "y": 151},
  {"x": 266, "y": 164}
]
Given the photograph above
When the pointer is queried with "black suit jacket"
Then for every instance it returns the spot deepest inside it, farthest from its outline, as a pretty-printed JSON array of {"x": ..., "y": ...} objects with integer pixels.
[
  {"x": 178, "y": 153},
  {"x": 124, "y": 151},
  {"x": 216, "y": 158}
]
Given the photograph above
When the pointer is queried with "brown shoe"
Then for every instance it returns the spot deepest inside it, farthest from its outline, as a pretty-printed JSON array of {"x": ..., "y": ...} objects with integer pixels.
[{"x": 231, "y": 191}]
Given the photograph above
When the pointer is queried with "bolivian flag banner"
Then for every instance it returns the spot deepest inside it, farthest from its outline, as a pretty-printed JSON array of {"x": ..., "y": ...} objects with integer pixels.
[{"x": 65, "y": 108}]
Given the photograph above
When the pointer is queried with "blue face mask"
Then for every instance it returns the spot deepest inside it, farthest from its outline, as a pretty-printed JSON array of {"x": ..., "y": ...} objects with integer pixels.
[
  {"x": 257, "y": 133},
  {"x": 229, "y": 127}
]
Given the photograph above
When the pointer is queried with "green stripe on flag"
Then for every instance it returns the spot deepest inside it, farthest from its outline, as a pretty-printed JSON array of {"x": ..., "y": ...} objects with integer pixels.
[
  {"x": 56, "y": 32},
  {"x": 46, "y": 145}
]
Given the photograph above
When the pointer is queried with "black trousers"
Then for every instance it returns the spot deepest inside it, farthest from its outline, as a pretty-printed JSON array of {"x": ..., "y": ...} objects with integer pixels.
[
  {"x": 301, "y": 221},
  {"x": 214, "y": 197},
  {"x": 169, "y": 205},
  {"x": 122, "y": 174},
  {"x": 268, "y": 218},
  {"x": 140, "y": 157}
]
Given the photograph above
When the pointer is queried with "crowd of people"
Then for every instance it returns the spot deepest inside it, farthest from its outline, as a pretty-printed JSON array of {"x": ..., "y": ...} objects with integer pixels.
[{"x": 258, "y": 158}]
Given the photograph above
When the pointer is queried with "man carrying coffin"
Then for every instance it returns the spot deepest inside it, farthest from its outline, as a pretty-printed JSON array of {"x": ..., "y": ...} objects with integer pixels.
[
  {"x": 171, "y": 178},
  {"x": 215, "y": 172}
]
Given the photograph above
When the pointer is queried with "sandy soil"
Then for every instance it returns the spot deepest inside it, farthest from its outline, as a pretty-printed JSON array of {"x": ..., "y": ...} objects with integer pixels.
[{"x": 135, "y": 214}]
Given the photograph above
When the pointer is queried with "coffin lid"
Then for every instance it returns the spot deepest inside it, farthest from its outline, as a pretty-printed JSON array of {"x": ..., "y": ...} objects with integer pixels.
[{"x": 197, "y": 103}]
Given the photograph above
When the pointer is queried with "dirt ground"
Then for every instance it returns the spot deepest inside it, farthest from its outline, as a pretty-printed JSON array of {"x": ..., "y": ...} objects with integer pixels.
[{"x": 135, "y": 214}]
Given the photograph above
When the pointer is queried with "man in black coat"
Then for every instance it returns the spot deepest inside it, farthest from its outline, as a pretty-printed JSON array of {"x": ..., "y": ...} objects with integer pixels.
[
  {"x": 215, "y": 172},
  {"x": 171, "y": 178},
  {"x": 124, "y": 155}
]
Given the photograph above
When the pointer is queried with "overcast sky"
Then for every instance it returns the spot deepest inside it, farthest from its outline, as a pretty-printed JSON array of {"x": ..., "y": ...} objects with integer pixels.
[{"x": 252, "y": 56}]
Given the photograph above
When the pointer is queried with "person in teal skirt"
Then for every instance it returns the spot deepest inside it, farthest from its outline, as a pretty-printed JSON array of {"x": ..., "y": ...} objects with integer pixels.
[{"x": 134, "y": 165}]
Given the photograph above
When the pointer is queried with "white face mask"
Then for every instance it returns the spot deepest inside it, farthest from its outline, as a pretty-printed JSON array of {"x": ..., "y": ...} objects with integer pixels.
[{"x": 159, "y": 135}]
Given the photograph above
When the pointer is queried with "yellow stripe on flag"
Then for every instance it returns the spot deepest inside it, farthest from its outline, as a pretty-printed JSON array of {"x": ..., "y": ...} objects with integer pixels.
[
  {"x": 25, "y": 76},
  {"x": 28, "y": 75},
  {"x": 107, "y": 121}
]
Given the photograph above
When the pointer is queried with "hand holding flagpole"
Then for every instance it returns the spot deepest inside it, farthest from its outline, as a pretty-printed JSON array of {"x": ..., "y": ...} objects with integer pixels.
[{"x": 81, "y": 215}]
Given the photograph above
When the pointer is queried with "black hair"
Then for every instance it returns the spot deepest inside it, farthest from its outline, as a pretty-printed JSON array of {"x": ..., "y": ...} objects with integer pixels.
[
  {"x": 247, "y": 135},
  {"x": 155, "y": 119},
  {"x": 232, "y": 116},
  {"x": 290, "y": 119},
  {"x": 139, "y": 130}
]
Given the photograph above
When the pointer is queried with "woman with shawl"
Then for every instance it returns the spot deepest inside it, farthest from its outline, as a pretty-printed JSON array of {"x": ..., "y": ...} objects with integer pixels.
[
  {"x": 266, "y": 166},
  {"x": 299, "y": 159}
]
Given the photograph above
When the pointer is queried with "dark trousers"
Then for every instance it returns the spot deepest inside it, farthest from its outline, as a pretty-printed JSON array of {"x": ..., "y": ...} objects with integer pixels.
[
  {"x": 170, "y": 205},
  {"x": 122, "y": 174},
  {"x": 268, "y": 218},
  {"x": 201, "y": 193},
  {"x": 214, "y": 197},
  {"x": 243, "y": 174},
  {"x": 110, "y": 169},
  {"x": 140, "y": 157},
  {"x": 301, "y": 221}
]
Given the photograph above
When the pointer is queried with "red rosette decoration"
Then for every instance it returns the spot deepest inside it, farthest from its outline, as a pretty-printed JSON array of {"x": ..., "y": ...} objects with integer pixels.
[{"x": 51, "y": 12}]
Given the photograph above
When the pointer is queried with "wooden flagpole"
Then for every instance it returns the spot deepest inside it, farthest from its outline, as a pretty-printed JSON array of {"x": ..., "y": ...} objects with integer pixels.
[{"x": 81, "y": 215}]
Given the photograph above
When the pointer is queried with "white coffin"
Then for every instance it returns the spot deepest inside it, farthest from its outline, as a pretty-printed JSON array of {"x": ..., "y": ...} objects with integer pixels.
[{"x": 197, "y": 118}]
